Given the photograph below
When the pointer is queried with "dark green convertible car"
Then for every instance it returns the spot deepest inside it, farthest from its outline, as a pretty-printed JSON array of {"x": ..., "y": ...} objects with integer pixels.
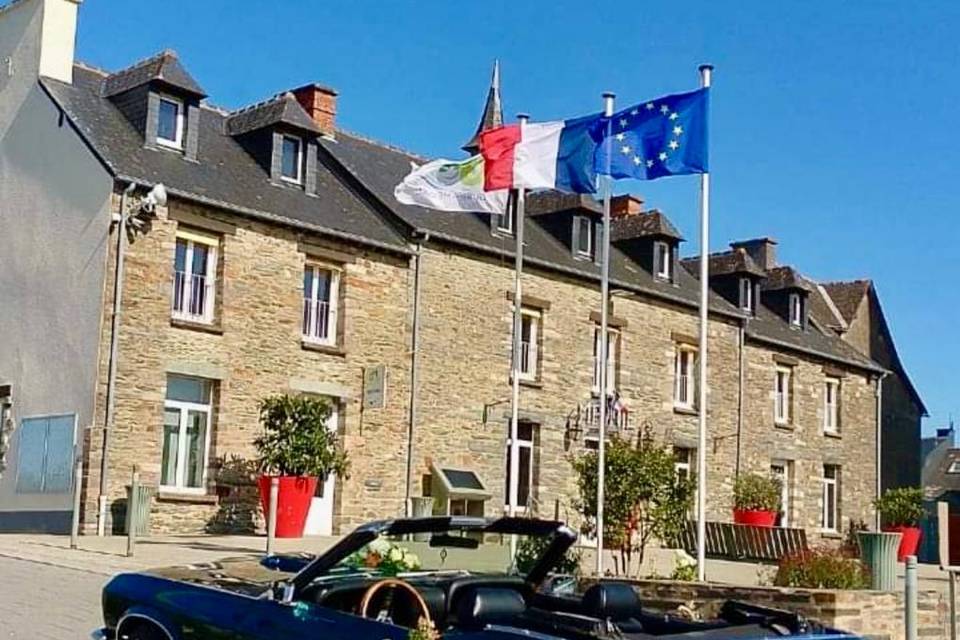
[{"x": 421, "y": 577}]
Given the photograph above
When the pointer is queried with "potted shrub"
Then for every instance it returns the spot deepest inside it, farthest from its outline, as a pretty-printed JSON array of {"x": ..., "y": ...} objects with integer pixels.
[
  {"x": 900, "y": 512},
  {"x": 298, "y": 448},
  {"x": 756, "y": 500}
]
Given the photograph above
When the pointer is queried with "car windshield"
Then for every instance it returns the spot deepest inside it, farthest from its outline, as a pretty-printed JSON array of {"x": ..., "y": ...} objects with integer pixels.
[{"x": 453, "y": 551}]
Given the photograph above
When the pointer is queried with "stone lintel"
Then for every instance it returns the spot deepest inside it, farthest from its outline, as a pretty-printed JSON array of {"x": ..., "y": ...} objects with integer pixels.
[
  {"x": 531, "y": 301},
  {"x": 613, "y": 321},
  {"x": 196, "y": 369},
  {"x": 319, "y": 388},
  {"x": 325, "y": 253},
  {"x": 202, "y": 222}
]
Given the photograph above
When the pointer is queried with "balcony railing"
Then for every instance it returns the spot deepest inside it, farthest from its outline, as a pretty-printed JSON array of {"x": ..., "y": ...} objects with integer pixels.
[
  {"x": 684, "y": 391},
  {"x": 192, "y": 296},
  {"x": 526, "y": 366},
  {"x": 585, "y": 419},
  {"x": 319, "y": 321}
]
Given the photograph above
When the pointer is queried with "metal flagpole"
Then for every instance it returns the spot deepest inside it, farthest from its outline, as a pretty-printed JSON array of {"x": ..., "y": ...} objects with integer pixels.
[
  {"x": 604, "y": 320},
  {"x": 705, "y": 73},
  {"x": 514, "y": 484}
]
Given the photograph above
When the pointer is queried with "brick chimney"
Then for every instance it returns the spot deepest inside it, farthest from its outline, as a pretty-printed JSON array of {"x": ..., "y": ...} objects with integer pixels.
[
  {"x": 762, "y": 250},
  {"x": 321, "y": 103},
  {"x": 625, "y": 205}
]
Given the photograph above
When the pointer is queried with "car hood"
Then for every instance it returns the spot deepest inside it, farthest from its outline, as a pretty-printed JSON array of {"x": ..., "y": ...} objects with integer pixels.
[{"x": 251, "y": 576}]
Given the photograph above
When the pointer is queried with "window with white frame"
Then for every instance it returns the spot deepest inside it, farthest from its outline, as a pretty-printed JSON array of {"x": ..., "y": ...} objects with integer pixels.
[
  {"x": 684, "y": 460},
  {"x": 321, "y": 290},
  {"x": 529, "y": 343},
  {"x": 746, "y": 294},
  {"x": 796, "y": 310},
  {"x": 194, "y": 276},
  {"x": 663, "y": 260},
  {"x": 831, "y": 405},
  {"x": 613, "y": 352},
  {"x": 291, "y": 159},
  {"x": 954, "y": 467},
  {"x": 170, "y": 122},
  {"x": 781, "y": 469},
  {"x": 526, "y": 480},
  {"x": 781, "y": 400},
  {"x": 584, "y": 244},
  {"x": 505, "y": 220},
  {"x": 685, "y": 377},
  {"x": 186, "y": 434},
  {"x": 831, "y": 498}
]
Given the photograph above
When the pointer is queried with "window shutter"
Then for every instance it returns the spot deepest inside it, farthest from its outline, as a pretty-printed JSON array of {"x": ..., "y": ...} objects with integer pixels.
[
  {"x": 310, "y": 168},
  {"x": 192, "y": 133},
  {"x": 153, "y": 114},
  {"x": 575, "y": 236},
  {"x": 276, "y": 157},
  {"x": 597, "y": 244}
]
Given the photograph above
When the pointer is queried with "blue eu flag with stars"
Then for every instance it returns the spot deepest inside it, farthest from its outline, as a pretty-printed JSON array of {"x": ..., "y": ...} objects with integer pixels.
[{"x": 662, "y": 137}]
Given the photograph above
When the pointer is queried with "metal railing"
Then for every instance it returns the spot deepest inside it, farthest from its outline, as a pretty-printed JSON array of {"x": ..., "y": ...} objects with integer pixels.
[
  {"x": 319, "y": 321},
  {"x": 685, "y": 392},
  {"x": 191, "y": 295}
]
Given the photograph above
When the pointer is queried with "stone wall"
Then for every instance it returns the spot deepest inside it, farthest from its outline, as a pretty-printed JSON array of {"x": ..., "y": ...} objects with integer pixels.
[
  {"x": 870, "y": 614},
  {"x": 253, "y": 349}
]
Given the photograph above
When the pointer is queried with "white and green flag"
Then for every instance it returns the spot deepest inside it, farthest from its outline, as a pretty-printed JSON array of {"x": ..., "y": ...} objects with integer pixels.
[{"x": 450, "y": 185}]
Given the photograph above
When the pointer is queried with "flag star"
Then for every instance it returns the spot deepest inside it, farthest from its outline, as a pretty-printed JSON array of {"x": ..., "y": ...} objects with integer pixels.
[
  {"x": 649, "y": 163},
  {"x": 664, "y": 109},
  {"x": 634, "y": 111},
  {"x": 662, "y": 156},
  {"x": 623, "y": 122},
  {"x": 674, "y": 116},
  {"x": 619, "y": 137},
  {"x": 673, "y": 145},
  {"x": 650, "y": 106},
  {"x": 677, "y": 130},
  {"x": 626, "y": 149},
  {"x": 637, "y": 160}
]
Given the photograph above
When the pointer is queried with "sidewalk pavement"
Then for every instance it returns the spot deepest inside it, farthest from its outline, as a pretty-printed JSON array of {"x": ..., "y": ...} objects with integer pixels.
[{"x": 107, "y": 555}]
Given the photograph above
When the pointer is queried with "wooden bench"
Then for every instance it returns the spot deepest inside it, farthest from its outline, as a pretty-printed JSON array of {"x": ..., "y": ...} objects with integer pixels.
[{"x": 729, "y": 541}]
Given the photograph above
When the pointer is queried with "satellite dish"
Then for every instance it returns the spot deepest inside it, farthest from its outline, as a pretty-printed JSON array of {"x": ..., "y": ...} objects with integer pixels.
[{"x": 156, "y": 197}]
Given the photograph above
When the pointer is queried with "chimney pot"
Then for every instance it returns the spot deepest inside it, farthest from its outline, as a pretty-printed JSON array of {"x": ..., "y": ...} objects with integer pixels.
[
  {"x": 320, "y": 103},
  {"x": 625, "y": 205}
]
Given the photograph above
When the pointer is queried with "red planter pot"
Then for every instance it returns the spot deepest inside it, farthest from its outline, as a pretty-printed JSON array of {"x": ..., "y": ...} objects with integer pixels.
[
  {"x": 909, "y": 541},
  {"x": 755, "y": 518},
  {"x": 293, "y": 503}
]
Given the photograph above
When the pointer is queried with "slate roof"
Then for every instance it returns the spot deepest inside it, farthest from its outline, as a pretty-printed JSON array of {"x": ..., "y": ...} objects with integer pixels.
[
  {"x": 164, "y": 67},
  {"x": 280, "y": 109},
  {"x": 727, "y": 262},
  {"x": 847, "y": 296},
  {"x": 784, "y": 278},
  {"x": 378, "y": 168},
  {"x": 225, "y": 175},
  {"x": 937, "y": 479},
  {"x": 645, "y": 224}
]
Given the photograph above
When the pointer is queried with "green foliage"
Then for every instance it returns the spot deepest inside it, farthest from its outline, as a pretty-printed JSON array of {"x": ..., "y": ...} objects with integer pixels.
[
  {"x": 296, "y": 441},
  {"x": 822, "y": 569},
  {"x": 531, "y": 548},
  {"x": 684, "y": 568},
  {"x": 901, "y": 507},
  {"x": 755, "y": 492},
  {"x": 643, "y": 495}
]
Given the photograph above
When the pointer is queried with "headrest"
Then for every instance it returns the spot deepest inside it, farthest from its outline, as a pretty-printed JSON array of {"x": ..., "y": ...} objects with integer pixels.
[
  {"x": 481, "y": 606},
  {"x": 611, "y": 601}
]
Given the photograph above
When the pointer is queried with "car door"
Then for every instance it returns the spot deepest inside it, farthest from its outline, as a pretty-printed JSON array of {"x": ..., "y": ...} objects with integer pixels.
[{"x": 273, "y": 620}]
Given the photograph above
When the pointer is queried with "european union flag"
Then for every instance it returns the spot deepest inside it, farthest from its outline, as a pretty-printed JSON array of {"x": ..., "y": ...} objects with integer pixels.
[{"x": 662, "y": 137}]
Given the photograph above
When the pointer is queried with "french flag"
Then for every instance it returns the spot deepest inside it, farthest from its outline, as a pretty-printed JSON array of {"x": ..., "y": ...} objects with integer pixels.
[{"x": 542, "y": 155}]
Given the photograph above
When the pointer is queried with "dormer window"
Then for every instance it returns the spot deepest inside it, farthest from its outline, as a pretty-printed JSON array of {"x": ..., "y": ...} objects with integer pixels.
[
  {"x": 746, "y": 295},
  {"x": 662, "y": 260},
  {"x": 583, "y": 237},
  {"x": 504, "y": 221},
  {"x": 796, "y": 310},
  {"x": 170, "y": 122},
  {"x": 291, "y": 160}
]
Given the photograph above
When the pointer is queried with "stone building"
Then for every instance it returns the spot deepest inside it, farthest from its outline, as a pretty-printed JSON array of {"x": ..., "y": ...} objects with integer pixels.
[{"x": 282, "y": 263}]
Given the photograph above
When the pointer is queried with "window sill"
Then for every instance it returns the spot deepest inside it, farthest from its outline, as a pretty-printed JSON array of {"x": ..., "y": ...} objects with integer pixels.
[
  {"x": 330, "y": 349},
  {"x": 784, "y": 426},
  {"x": 191, "y": 498},
  {"x": 685, "y": 411},
  {"x": 832, "y": 535},
  {"x": 833, "y": 434},
  {"x": 193, "y": 325},
  {"x": 533, "y": 384}
]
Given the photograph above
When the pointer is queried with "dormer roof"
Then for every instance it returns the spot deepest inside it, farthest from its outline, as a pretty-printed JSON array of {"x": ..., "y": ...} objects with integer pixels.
[
  {"x": 648, "y": 224},
  {"x": 785, "y": 278},
  {"x": 164, "y": 68},
  {"x": 554, "y": 201},
  {"x": 280, "y": 109},
  {"x": 729, "y": 262}
]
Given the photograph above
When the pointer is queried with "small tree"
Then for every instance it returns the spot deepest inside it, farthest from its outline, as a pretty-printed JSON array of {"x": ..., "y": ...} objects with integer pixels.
[
  {"x": 296, "y": 441},
  {"x": 644, "y": 498},
  {"x": 755, "y": 492},
  {"x": 901, "y": 507}
]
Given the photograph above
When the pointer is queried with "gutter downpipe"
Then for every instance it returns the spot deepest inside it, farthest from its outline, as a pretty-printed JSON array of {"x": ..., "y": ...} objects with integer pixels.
[
  {"x": 741, "y": 335},
  {"x": 112, "y": 362},
  {"x": 414, "y": 368},
  {"x": 879, "y": 394}
]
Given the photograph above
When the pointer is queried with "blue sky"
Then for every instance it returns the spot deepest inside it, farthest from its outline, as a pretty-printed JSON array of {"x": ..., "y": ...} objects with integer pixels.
[{"x": 833, "y": 124}]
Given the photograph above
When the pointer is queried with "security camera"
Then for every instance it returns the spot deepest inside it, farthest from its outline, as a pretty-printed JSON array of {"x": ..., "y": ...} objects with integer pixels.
[{"x": 156, "y": 197}]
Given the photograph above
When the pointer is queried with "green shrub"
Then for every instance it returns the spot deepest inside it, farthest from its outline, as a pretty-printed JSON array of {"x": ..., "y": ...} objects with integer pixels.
[
  {"x": 531, "y": 548},
  {"x": 822, "y": 569},
  {"x": 754, "y": 492},
  {"x": 901, "y": 507},
  {"x": 296, "y": 441}
]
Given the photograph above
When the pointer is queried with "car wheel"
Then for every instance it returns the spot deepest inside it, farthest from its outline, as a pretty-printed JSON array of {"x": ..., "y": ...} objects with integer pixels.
[{"x": 141, "y": 631}]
